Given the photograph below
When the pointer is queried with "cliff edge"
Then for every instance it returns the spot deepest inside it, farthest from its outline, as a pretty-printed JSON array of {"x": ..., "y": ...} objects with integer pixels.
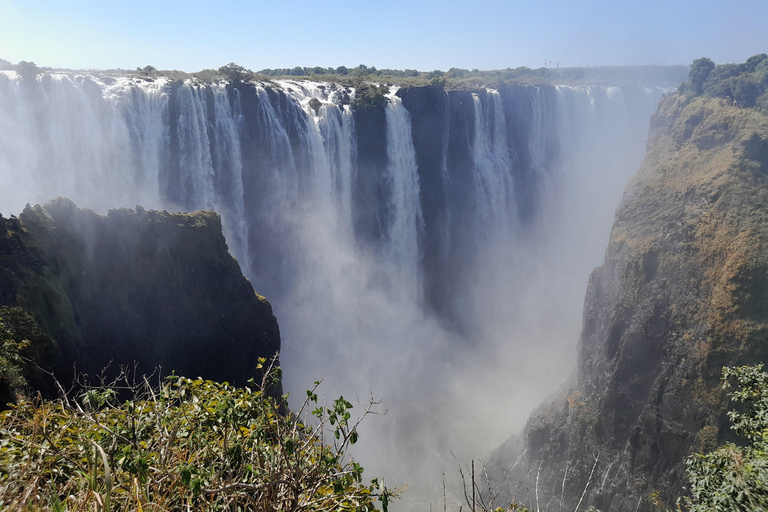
[
  {"x": 153, "y": 287},
  {"x": 682, "y": 292}
]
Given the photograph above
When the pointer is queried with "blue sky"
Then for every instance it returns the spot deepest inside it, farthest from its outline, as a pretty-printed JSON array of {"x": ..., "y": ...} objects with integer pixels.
[{"x": 420, "y": 34}]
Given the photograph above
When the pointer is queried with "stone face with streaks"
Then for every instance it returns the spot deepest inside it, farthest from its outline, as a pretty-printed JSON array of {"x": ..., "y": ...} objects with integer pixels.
[{"x": 682, "y": 292}]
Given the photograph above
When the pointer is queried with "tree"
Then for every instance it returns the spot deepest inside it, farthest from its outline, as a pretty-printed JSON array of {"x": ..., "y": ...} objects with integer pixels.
[
  {"x": 699, "y": 73},
  {"x": 27, "y": 70},
  {"x": 754, "y": 61},
  {"x": 438, "y": 81},
  {"x": 369, "y": 97},
  {"x": 361, "y": 70},
  {"x": 146, "y": 70},
  {"x": 235, "y": 73},
  {"x": 736, "y": 477},
  {"x": 457, "y": 73},
  {"x": 745, "y": 91}
]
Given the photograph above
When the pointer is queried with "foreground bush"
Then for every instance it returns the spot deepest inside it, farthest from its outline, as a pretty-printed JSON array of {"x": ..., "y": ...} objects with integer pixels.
[
  {"x": 736, "y": 477},
  {"x": 182, "y": 445},
  {"x": 25, "y": 352}
]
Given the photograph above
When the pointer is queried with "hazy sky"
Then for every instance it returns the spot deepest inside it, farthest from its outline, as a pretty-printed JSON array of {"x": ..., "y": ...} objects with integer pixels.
[{"x": 421, "y": 34}]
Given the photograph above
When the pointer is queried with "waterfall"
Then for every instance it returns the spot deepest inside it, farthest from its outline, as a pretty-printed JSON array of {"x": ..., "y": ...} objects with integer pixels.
[
  {"x": 195, "y": 158},
  {"x": 493, "y": 167},
  {"x": 97, "y": 142},
  {"x": 228, "y": 162},
  {"x": 402, "y": 251},
  {"x": 331, "y": 145},
  {"x": 483, "y": 213}
]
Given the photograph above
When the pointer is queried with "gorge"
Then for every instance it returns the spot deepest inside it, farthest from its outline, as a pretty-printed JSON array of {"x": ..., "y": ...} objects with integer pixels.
[
  {"x": 432, "y": 248},
  {"x": 680, "y": 295}
]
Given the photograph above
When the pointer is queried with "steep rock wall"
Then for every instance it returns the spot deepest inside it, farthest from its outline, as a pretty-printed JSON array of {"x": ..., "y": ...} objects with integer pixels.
[
  {"x": 682, "y": 292},
  {"x": 154, "y": 287}
]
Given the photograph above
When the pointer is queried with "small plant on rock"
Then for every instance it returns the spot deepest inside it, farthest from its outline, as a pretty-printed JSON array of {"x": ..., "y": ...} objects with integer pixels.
[{"x": 736, "y": 477}]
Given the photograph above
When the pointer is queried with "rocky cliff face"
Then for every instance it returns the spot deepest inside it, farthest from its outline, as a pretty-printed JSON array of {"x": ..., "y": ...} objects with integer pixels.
[
  {"x": 154, "y": 287},
  {"x": 683, "y": 291}
]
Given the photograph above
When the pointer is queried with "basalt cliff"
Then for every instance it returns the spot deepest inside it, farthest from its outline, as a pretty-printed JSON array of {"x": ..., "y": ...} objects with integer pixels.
[
  {"x": 682, "y": 292},
  {"x": 150, "y": 287}
]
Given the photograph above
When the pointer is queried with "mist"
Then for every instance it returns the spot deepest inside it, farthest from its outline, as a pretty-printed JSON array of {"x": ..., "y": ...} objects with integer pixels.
[
  {"x": 453, "y": 394},
  {"x": 457, "y": 374}
]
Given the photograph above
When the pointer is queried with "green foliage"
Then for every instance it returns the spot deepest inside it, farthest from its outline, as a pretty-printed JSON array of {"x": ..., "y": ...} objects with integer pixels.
[
  {"x": 370, "y": 97},
  {"x": 24, "y": 351},
  {"x": 182, "y": 445},
  {"x": 699, "y": 73},
  {"x": 11, "y": 362},
  {"x": 735, "y": 477},
  {"x": 27, "y": 70},
  {"x": 147, "y": 70},
  {"x": 236, "y": 73},
  {"x": 458, "y": 73},
  {"x": 438, "y": 81},
  {"x": 745, "y": 85},
  {"x": 456, "y": 78}
]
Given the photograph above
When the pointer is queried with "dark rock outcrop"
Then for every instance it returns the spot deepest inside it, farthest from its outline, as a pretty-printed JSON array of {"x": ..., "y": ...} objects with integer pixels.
[
  {"x": 153, "y": 287},
  {"x": 683, "y": 292}
]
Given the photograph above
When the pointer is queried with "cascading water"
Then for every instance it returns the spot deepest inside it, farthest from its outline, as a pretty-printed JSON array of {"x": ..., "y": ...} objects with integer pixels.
[
  {"x": 493, "y": 178},
  {"x": 489, "y": 210},
  {"x": 402, "y": 248},
  {"x": 98, "y": 143},
  {"x": 227, "y": 157}
]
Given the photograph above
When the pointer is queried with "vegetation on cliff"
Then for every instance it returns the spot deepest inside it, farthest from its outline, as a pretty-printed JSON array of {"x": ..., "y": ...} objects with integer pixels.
[
  {"x": 370, "y": 98},
  {"x": 458, "y": 78},
  {"x": 155, "y": 287},
  {"x": 736, "y": 477},
  {"x": 453, "y": 78},
  {"x": 182, "y": 445},
  {"x": 745, "y": 85},
  {"x": 26, "y": 352}
]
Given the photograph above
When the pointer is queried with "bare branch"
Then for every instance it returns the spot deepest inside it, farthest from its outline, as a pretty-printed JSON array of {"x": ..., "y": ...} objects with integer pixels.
[{"x": 591, "y": 474}]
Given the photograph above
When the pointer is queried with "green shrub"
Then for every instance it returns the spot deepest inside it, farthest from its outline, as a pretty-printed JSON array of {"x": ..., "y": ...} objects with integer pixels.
[
  {"x": 370, "y": 97},
  {"x": 736, "y": 477},
  {"x": 741, "y": 84},
  {"x": 25, "y": 351},
  {"x": 236, "y": 73},
  {"x": 181, "y": 445},
  {"x": 27, "y": 70}
]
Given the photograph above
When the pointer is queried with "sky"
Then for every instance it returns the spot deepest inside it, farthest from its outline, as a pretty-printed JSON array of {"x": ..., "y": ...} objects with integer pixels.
[{"x": 192, "y": 35}]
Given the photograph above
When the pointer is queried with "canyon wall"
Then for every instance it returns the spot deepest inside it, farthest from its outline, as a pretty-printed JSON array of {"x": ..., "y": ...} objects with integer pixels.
[
  {"x": 681, "y": 293},
  {"x": 151, "y": 287}
]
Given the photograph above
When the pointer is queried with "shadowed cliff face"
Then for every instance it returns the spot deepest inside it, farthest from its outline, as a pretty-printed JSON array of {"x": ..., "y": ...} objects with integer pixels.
[
  {"x": 682, "y": 292},
  {"x": 154, "y": 287}
]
